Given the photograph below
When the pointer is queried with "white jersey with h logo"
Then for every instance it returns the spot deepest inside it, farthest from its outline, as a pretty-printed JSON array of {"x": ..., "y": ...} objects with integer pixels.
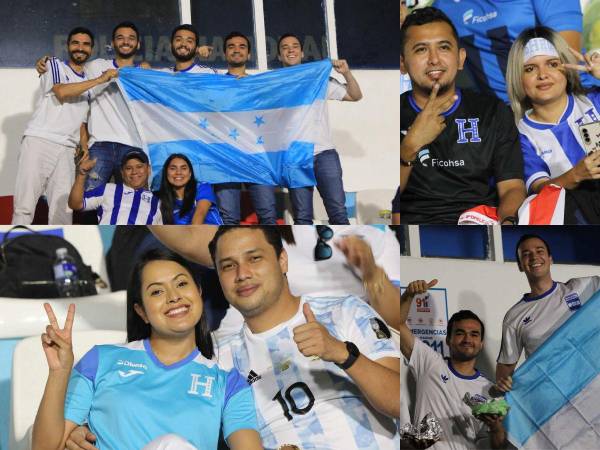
[{"x": 309, "y": 402}]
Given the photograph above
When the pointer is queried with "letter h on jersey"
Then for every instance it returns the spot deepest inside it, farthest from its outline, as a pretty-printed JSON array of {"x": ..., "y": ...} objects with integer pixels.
[
  {"x": 197, "y": 383},
  {"x": 473, "y": 130}
]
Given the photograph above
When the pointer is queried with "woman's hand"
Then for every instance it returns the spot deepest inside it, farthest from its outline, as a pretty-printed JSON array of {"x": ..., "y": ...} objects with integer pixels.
[
  {"x": 57, "y": 342},
  {"x": 588, "y": 168},
  {"x": 591, "y": 63}
]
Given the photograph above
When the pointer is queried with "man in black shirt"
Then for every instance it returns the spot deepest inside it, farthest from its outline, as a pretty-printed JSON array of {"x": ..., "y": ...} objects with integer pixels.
[{"x": 458, "y": 149}]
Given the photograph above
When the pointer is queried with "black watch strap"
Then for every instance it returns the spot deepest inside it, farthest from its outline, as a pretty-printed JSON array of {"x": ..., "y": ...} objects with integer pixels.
[{"x": 353, "y": 354}]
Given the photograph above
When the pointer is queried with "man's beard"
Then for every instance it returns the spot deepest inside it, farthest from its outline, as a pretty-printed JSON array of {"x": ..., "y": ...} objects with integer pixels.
[
  {"x": 79, "y": 60},
  {"x": 125, "y": 55},
  {"x": 236, "y": 63},
  {"x": 463, "y": 357},
  {"x": 443, "y": 89},
  {"x": 183, "y": 57}
]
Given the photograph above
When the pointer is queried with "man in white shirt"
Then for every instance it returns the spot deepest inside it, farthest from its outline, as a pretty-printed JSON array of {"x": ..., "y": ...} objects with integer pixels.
[
  {"x": 52, "y": 135},
  {"x": 126, "y": 203},
  {"x": 442, "y": 383},
  {"x": 539, "y": 313},
  {"x": 327, "y": 166}
]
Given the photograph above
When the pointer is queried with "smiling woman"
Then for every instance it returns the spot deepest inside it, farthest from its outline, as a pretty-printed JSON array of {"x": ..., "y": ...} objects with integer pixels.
[{"x": 162, "y": 382}]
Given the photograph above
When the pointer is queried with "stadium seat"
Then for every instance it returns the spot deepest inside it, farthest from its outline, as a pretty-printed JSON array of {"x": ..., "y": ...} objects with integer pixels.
[{"x": 29, "y": 379}]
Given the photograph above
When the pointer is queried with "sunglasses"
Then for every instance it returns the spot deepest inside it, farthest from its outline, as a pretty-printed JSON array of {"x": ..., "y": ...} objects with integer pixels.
[{"x": 322, "y": 249}]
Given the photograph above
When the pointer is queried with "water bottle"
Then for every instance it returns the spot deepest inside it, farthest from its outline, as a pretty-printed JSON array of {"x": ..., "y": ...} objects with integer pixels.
[{"x": 65, "y": 274}]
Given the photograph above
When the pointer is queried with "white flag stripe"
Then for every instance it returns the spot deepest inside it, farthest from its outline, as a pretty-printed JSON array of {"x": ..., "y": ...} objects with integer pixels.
[{"x": 262, "y": 130}]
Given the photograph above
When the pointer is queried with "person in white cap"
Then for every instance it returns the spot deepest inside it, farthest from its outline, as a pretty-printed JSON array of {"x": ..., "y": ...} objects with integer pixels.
[{"x": 550, "y": 107}]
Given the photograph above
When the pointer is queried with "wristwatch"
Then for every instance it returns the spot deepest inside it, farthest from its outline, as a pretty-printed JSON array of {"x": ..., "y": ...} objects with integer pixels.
[{"x": 353, "y": 353}]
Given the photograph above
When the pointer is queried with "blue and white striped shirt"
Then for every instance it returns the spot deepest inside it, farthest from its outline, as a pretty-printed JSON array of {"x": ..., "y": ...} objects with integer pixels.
[{"x": 118, "y": 204}]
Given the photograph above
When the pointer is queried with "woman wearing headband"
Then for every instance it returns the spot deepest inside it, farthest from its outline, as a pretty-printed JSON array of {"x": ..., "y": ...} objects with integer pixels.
[{"x": 550, "y": 107}]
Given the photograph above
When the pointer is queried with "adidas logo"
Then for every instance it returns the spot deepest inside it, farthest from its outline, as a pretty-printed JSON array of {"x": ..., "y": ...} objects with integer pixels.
[
  {"x": 526, "y": 320},
  {"x": 252, "y": 377}
]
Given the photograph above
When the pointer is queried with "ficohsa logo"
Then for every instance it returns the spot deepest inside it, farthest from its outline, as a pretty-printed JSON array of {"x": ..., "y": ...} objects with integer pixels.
[{"x": 467, "y": 16}]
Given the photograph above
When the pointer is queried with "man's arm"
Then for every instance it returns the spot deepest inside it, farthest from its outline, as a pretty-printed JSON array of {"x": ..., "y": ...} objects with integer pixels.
[
  {"x": 76, "y": 194},
  {"x": 511, "y": 194},
  {"x": 69, "y": 90},
  {"x": 189, "y": 241},
  {"x": 353, "y": 92},
  {"x": 572, "y": 37},
  {"x": 407, "y": 340},
  {"x": 313, "y": 339},
  {"x": 496, "y": 430}
]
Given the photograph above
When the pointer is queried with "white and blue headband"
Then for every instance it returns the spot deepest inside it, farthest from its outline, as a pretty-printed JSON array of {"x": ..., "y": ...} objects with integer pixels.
[{"x": 539, "y": 46}]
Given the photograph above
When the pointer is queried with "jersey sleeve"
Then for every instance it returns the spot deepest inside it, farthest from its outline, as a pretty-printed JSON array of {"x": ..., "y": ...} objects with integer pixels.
[
  {"x": 92, "y": 199},
  {"x": 534, "y": 166},
  {"x": 239, "y": 412},
  {"x": 335, "y": 90},
  {"x": 52, "y": 76},
  {"x": 80, "y": 391},
  {"x": 510, "y": 348},
  {"x": 423, "y": 358},
  {"x": 508, "y": 159},
  {"x": 204, "y": 191},
  {"x": 389, "y": 259},
  {"x": 589, "y": 286},
  {"x": 559, "y": 15},
  {"x": 367, "y": 330}
]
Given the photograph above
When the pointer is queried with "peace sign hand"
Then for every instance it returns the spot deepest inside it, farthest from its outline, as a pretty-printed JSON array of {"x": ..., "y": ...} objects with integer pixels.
[
  {"x": 56, "y": 341},
  {"x": 591, "y": 63}
]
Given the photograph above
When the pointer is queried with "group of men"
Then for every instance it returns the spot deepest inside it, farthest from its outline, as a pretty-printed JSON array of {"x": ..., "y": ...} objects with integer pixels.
[
  {"x": 442, "y": 384},
  {"x": 461, "y": 159},
  {"x": 82, "y": 111},
  {"x": 310, "y": 359}
]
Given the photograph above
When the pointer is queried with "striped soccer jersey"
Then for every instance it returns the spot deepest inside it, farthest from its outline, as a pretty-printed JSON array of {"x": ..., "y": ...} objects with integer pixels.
[
  {"x": 309, "y": 402},
  {"x": 55, "y": 121},
  {"x": 533, "y": 319},
  {"x": 118, "y": 204},
  {"x": 129, "y": 398},
  {"x": 549, "y": 150}
]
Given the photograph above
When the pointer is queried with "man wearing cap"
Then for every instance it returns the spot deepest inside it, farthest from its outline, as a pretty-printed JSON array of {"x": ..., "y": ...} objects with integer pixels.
[
  {"x": 458, "y": 149},
  {"x": 126, "y": 203}
]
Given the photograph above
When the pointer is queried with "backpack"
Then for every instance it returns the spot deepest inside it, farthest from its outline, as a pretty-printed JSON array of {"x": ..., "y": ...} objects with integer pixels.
[{"x": 26, "y": 266}]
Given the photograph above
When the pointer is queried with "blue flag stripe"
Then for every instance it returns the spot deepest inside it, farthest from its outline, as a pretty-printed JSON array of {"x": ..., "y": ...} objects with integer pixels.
[
  {"x": 281, "y": 88},
  {"x": 554, "y": 374}
]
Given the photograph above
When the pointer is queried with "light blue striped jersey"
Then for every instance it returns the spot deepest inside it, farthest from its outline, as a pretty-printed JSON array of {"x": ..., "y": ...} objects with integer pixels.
[
  {"x": 118, "y": 204},
  {"x": 313, "y": 403},
  {"x": 549, "y": 150},
  {"x": 128, "y": 397}
]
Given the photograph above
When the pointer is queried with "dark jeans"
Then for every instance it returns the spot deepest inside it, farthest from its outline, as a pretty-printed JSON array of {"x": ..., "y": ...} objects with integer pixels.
[
  {"x": 262, "y": 196},
  {"x": 328, "y": 173},
  {"x": 108, "y": 156}
]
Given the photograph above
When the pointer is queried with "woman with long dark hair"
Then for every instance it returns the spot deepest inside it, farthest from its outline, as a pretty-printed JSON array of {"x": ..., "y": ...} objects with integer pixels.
[
  {"x": 183, "y": 200},
  {"x": 162, "y": 382}
]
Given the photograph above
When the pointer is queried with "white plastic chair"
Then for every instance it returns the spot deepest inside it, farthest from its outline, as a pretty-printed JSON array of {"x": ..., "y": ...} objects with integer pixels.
[{"x": 29, "y": 374}]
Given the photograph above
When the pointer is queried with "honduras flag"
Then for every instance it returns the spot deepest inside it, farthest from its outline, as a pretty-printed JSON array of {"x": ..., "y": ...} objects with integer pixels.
[
  {"x": 555, "y": 401},
  {"x": 259, "y": 129}
]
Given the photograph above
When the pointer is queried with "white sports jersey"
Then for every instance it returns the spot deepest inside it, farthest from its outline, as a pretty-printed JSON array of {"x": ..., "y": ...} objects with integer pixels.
[
  {"x": 335, "y": 91},
  {"x": 55, "y": 121},
  {"x": 312, "y": 403},
  {"x": 110, "y": 119},
  {"x": 550, "y": 150},
  {"x": 440, "y": 390},
  {"x": 533, "y": 319},
  {"x": 333, "y": 276},
  {"x": 117, "y": 204}
]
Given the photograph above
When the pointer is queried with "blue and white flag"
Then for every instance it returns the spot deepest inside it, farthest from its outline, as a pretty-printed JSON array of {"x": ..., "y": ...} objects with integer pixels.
[
  {"x": 259, "y": 129},
  {"x": 555, "y": 400}
]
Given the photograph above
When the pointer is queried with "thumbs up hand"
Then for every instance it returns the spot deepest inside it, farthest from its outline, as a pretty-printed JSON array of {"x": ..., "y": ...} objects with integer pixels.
[{"x": 313, "y": 340}]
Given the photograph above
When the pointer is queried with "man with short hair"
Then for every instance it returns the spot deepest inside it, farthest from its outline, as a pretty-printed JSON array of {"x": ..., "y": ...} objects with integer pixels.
[
  {"x": 126, "y": 203},
  {"x": 311, "y": 361},
  {"x": 237, "y": 53},
  {"x": 327, "y": 166},
  {"x": 52, "y": 135},
  {"x": 443, "y": 383},
  {"x": 531, "y": 321},
  {"x": 459, "y": 149},
  {"x": 184, "y": 47}
]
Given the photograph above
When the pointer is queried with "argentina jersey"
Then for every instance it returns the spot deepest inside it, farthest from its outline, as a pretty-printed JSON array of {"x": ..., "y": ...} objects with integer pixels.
[
  {"x": 549, "y": 150},
  {"x": 118, "y": 204},
  {"x": 129, "y": 398},
  {"x": 487, "y": 30},
  {"x": 306, "y": 401}
]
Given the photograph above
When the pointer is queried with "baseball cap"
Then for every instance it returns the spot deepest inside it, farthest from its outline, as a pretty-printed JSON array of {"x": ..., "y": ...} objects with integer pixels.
[{"x": 135, "y": 154}]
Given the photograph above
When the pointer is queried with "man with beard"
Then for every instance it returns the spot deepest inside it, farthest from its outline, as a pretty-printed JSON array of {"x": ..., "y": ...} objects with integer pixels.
[
  {"x": 112, "y": 131},
  {"x": 458, "y": 149},
  {"x": 237, "y": 53},
  {"x": 442, "y": 383},
  {"x": 184, "y": 47},
  {"x": 327, "y": 165},
  {"x": 51, "y": 136}
]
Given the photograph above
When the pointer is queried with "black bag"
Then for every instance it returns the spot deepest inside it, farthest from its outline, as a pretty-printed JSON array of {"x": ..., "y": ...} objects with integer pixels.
[{"x": 26, "y": 266}]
